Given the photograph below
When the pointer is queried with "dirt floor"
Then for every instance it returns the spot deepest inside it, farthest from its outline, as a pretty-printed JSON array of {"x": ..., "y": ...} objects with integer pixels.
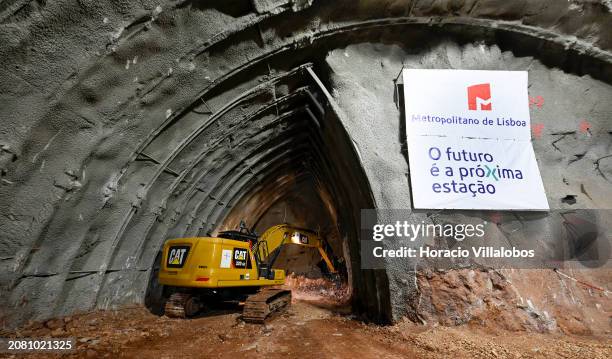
[
  {"x": 318, "y": 324},
  {"x": 306, "y": 330}
]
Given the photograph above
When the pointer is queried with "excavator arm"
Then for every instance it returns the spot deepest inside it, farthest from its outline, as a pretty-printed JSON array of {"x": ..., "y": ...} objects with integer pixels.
[{"x": 269, "y": 244}]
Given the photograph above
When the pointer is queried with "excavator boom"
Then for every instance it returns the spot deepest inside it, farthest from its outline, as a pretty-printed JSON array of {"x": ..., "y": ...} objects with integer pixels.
[{"x": 270, "y": 242}]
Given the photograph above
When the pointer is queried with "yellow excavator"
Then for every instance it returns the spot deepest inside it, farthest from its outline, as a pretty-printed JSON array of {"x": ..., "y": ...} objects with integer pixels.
[{"x": 235, "y": 266}]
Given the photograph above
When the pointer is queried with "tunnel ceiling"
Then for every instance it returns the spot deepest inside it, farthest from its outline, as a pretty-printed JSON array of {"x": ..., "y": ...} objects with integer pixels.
[{"x": 126, "y": 123}]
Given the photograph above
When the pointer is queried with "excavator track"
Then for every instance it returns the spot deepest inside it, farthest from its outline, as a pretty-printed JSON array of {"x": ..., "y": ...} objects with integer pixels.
[
  {"x": 182, "y": 305},
  {"x": 259, "y": 306}
]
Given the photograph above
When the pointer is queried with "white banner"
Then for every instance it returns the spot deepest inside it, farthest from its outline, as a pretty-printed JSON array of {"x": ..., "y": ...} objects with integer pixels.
[{"x": 469, "y": 140}]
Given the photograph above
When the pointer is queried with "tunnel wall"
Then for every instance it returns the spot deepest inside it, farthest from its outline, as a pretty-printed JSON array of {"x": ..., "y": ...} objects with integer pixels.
[
  {"x": 568, "y": 158},
  {"x": 125, "y": 123}
]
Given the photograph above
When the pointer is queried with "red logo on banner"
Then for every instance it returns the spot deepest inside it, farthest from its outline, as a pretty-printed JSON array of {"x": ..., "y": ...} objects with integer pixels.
[{"x": 479, "y": 97}]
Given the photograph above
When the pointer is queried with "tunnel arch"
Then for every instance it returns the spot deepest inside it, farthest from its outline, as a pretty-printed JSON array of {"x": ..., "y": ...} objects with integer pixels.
[{"x": 141, "y": 171}]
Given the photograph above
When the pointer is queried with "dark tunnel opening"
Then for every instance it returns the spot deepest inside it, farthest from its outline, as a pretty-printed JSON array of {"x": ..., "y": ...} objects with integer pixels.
[{"x": 289, "y": 161}]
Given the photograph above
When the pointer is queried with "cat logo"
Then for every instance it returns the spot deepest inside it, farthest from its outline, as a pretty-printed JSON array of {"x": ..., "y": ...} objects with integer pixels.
[
  {"x": 303, "y": 239},
  {"x": 241, "y": 258},
  {"x": 299, "y": 238},
  {"x": 177, "y": 256},
  {"x": 240, "y": 254}
]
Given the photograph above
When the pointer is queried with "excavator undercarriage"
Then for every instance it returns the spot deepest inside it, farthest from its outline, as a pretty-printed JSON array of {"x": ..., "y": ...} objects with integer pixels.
[
  {"x": 259, "y": 306},
  {"x": 182, "y": 305}
]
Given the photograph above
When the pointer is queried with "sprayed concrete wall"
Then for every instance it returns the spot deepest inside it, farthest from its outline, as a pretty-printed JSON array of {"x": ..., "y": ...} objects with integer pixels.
[
  {"x": 572, "y": 161},
  {"x": 125, "y": 123}
]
